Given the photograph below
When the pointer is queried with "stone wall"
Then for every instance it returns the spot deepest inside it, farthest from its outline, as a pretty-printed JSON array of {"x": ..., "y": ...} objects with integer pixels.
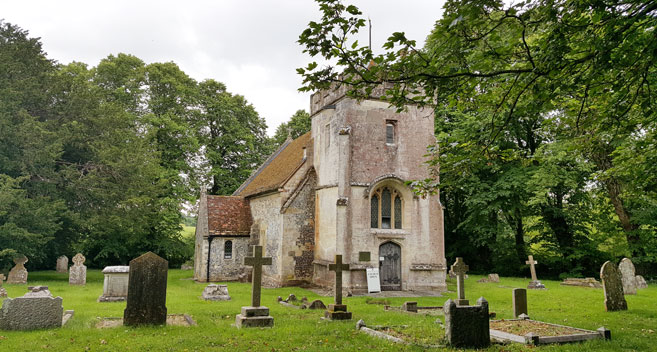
[
  {"x": 200, "y": 245},
  {"x": 266, "y": 214},
  {"x": 223, "y": 269},
  {"x": 299, "y": 234},
  {"x": 372, "y": 162}
]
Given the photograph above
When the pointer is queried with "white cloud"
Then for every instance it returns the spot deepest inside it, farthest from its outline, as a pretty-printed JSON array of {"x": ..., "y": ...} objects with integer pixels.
[{"x": 248, "y": 45}]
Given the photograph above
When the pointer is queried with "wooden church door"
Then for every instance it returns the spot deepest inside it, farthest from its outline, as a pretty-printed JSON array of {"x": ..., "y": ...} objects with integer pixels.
[{"x": 390, "y": 266}]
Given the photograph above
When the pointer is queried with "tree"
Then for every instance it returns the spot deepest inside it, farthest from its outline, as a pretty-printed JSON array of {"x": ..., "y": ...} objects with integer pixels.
[
  {"x": 590, "y": 65},
  {"x": 298, "y": 125},
  {"x": 232, "y": 135}
]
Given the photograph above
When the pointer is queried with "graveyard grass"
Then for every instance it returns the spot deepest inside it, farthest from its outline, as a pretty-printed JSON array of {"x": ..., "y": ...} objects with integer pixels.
[{"x": 302, "y": 330}]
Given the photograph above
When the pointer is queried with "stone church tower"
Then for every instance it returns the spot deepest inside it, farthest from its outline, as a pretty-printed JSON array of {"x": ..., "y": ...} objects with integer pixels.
[{"x": 339, "y": 189}]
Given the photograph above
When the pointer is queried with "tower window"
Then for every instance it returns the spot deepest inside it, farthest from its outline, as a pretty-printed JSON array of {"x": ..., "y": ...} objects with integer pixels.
[
  {"x": 386, "y": 209},
  {"x": 228, "y": 249},
  {"x": 390, "y": 133}
]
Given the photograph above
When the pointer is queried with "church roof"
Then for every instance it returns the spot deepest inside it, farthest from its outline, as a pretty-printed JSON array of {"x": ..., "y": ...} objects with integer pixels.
[
  {"x": 228, "y": 215},
  {"x": 280, "y": 166}
]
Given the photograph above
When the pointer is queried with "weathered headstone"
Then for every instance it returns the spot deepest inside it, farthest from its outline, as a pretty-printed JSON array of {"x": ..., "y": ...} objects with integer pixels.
[
  {"x": 337, "y": 310},
  {"x": 214, "y": 292},
  {"x": 316, "y": 304},
  {"x": 3, "y": 291},
  {"x": 115, "y": 286},
  {"x": 35, "y": 310},
  {"x": 467, "y": 326},
  {"x": 641, "y": 282},
  {"x": 77, "y": 275},
  {"x": 586, "y": 282},
  {"x": 628, "y": 274},
  {"x": 534, "y": 284},
  {"x": 490, "y": 278},
  {"x": 147, "y": 291},
  {"x": 18, "y": 274},
  {"x": 460, "y": 268},
  {"x": 62, "y": 264},
  {"x": 255, "y": 315},
  {"x": 519, "y": 302},
  {"x": 612, "y": 285}
]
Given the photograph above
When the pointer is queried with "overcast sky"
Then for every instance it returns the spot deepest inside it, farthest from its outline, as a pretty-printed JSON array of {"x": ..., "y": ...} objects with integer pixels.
[{"x": 249, "y": 45}]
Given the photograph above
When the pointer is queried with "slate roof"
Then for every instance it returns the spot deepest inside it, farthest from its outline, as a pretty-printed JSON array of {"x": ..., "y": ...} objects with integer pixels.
[
  {"x": 228, "y": 215},
  {"x": 280, "y": 166}
]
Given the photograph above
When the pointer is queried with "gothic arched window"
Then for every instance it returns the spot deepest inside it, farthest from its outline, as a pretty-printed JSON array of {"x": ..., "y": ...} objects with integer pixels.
[
  {"x": 386, "y": 208},
  {"x": 228, "y": 249}
]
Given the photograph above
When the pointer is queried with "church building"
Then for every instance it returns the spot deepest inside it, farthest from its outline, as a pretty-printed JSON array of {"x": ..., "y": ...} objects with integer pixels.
[{"x": 338, "y": 189}]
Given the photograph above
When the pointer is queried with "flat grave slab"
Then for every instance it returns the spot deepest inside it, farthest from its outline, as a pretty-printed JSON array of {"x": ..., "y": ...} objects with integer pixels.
[
  {"x": 172, "y": 320},
  {"x": 536, "y": 332},
  {"x": 396, "y": 334}
]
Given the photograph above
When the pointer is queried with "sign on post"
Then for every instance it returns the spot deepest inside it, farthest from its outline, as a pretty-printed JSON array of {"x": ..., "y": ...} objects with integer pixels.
[{"x": 373, "y": 283}]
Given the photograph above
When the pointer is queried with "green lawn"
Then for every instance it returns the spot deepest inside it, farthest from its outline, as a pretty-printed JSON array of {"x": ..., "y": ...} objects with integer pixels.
[
  {"x": 188, "y": 231},
  {"x": 302, "y": 330}
]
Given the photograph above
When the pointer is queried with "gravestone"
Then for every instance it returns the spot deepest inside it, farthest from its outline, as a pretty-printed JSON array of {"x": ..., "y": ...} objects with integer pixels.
[
  {"x": 459, "y": 268},
  {"x": 490, "y": 278},
  {"x": 316, "y": 304},
  {"x": 640, "y": 282},
  {"x": 612, "y": 285},
  {"x": 37, "y": 309},
  {"x": 628, "y": 276},
  {"x": 467, "y": 326},
  {"x": 3, "y": 291},
  {"x": 62, "y": 264},
  {"x": 337, "y": 310},
  {"x": 534, "y": 284},
  {"x": 147, "y": 291},
  {"x": 519, "y": 302},
  {"x": 214, "y": 292},
  {"x": 115, "y": 286},
  {"x": 255, "y": 315},
  {"x": 586, "y": 282},
  {"x": 77, "y": 275},
  {"x": 18, "y": 274}
]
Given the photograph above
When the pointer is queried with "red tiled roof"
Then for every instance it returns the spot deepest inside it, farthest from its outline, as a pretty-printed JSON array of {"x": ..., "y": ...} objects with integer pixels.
[
  {"x": 228, "y": 215},
  {"x": 278, "y": 169}
]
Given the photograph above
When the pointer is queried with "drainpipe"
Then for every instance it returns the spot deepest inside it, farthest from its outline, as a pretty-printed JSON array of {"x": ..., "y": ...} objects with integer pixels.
[{"x": 207, "y": 277}]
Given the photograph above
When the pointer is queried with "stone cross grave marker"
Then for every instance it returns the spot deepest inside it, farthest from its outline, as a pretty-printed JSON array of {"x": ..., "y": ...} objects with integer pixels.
[
  {"x": 338, "y": 311},
  {"x": 460, "y": 268},
  {"x": 338, "y": 267},
  {"x": 628, "y": 276},
  {"x": 255, "y": 315},
  {"x": 147, "y": 291},
  {"x": 78, "y": 272},
  {"x": 531, "y": 262},
  {"x": 18, "y": 274},
  {"x": 257, "y": 261},
  {"x": 62, "y": 264},
  {"x": 612, "y": 286},
  {"x": 534, "y": 284}
]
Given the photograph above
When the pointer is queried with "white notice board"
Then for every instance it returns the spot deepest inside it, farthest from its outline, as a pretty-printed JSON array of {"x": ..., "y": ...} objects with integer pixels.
[{"x": 373, "y": 283}]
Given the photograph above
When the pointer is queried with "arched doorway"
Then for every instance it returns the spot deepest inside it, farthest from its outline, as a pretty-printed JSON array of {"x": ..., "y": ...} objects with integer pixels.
[{"x": 390, "y": 266}]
